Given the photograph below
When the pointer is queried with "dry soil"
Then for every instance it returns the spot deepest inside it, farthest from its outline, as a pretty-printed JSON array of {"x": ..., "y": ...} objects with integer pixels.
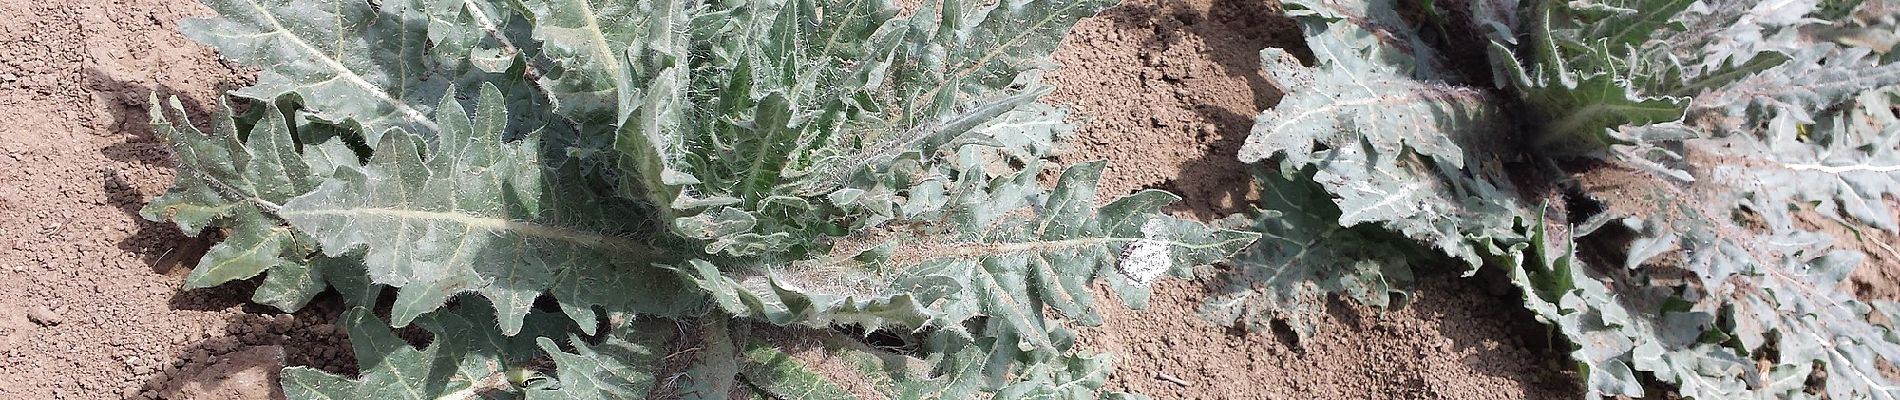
[{"x": 90, "y": 299}]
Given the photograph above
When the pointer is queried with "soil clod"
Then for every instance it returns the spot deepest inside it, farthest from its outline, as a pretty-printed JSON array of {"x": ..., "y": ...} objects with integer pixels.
[{"x": 44, "y": 316}]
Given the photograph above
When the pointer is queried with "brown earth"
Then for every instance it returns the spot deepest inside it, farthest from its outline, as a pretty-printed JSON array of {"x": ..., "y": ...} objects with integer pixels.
[
  {"x": 1455, "y": 342},
  {"x": 90, "y": 299},
  {"x": 1167, "y": 90}
]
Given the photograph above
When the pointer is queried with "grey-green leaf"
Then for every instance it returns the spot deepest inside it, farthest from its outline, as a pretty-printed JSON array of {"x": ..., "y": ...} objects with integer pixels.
[
  {"x": 346, "y": 60},
  {"x": 467, "y": 358},
  {"x": 1006, "y": 252},
  {"x": 1304, "y": 255},
  {"x": 473, "y": 215},
  {"x": 236, "y": 182}
]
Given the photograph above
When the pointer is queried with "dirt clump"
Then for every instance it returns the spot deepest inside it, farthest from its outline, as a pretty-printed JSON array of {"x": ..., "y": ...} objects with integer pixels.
[{"x": 248, "y": 374}]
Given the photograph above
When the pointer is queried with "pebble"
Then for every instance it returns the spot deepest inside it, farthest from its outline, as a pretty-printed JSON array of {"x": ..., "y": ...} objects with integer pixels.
[{"x": 44, "y": 316}]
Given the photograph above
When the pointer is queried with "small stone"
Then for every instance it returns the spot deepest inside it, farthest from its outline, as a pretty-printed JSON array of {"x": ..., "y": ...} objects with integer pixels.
[{"x": 44, "y": 316}]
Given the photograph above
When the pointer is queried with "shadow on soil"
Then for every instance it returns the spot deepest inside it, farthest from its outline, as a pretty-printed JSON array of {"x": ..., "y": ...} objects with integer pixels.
[
  {"x": 161, "y": 245},
  {"x": 1216, "y": 184},
  {"x": 308, "y": 337}
]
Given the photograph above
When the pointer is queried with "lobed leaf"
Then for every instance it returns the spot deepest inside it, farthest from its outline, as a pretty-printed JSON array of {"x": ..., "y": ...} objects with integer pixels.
[
  {"x": 1303, "y": 255},
  {"x": 467, "y": 358},
  {"x": 235, "y": 182},
  {"x": 1389, "y": 133},
  {"x": 346, "y": 60},
  {"x": 473, "y": 215},
  {"x": 770, "y": 152},
  {"x": 1005, "y": 253}
]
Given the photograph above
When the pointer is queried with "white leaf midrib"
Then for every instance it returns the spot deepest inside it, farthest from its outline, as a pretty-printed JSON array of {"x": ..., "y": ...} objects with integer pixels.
[{"x": 408, "y": 113}]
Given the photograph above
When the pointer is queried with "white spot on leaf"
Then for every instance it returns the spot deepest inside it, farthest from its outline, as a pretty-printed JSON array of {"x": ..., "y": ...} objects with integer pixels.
[{"x": 1147, "y": 258}]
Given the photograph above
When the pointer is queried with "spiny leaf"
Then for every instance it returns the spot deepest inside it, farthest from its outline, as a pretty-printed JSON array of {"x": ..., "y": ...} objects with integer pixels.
[
  {"x": 467, "y": 358},
  {"x": 235, "y": 181},
  {"x": 715, "y": 371},
  {"x": 1617, "y": 331},
  {"x": 1369, "y": 86},
  {"x": 1450, "y": 210},
  {"x": 482, "y": 35},
  {"x": 291, "y": 286},
  {"x": 382, "y": 65},
  {"x": 1571, "y": 72},
  {"x": 1845, "y": 166},
  {"x": 470, "y": 216},
  {"x": 771, "y": 151},
  {"x": 689, "y": 358},
  {"x": 620, "y": 366},
  {"x": 1397, "y": 134},
  {"x": 1775, "y": 104},
  {"x": 1775, "y": 288},
  {"x": 652, "y": 358},
  {"x": 344, "y": 59},
  {"x": 805, "y": 364},
  {"x": 1302, "y": 256},
  {"x": 777, "y": 373},
  {"x": 1592, "y": 74},
  {"x": 809, "y": 96},
  {"x": 1005, "y": 252}
]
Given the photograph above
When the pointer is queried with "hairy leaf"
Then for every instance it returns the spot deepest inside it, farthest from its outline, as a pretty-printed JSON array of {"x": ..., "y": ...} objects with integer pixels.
[
  {"x": 626, "y": 158},
  {"x": 346, "y": 60},
  {"x": 1005, "y": 252},
  {"x": 467, "y": 358},
  {"x": 1303, "y": 255},
  {"x": 739, "y": 121},
  {"x": 1570, "y": 71},
  {"x": 1776, "y": 288},
  {"x": 1783, "y": 111},
  {"x": 1845, "y": 166},
  {"x": 1387, "y": 130},
  {"x": 472, "y": 216},
  {"x": 236, "y": 181}
]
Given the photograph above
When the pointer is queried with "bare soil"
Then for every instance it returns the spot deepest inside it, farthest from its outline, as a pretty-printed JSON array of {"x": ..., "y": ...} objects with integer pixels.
[
  {"x": 1457, "y": 341},
  {"x": 90, "y": 299},
  {"x": 1167, "y": 90}
]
